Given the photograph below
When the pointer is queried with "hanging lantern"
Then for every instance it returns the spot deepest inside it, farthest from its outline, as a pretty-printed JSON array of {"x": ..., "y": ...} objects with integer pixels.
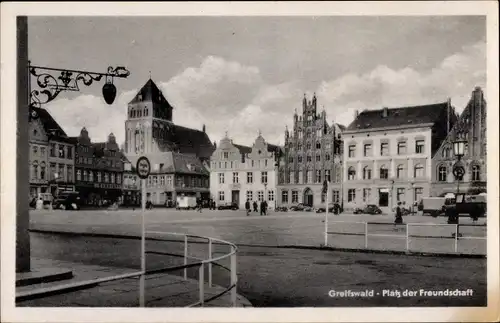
[{"x": 109, "y": 91}]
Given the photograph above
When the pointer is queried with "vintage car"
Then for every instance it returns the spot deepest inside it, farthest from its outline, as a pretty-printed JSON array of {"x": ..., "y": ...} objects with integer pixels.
[
  {"x": 228, "y": 206},
  {"x": 369, "y": 209},
  {"x": 334, "y": 208}
]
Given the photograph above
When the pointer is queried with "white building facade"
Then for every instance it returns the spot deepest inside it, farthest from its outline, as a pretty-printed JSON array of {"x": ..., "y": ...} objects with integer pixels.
[
  {"x": 239, "y": 173},
  {"x": 388, "y": 154}
]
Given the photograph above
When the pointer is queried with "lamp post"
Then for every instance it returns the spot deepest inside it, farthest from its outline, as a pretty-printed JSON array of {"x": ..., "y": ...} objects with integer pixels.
[{"x": 458, "y": 170}]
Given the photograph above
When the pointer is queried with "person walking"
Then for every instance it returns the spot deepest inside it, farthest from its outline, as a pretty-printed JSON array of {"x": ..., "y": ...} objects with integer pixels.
[
  {"x": 262, "y": 208},
  {"x": 247, "y": 207},
  {"x": 399, "y": 215},
  {"x": 265, "y": 207},
  {"x": 255, "y": 207}
]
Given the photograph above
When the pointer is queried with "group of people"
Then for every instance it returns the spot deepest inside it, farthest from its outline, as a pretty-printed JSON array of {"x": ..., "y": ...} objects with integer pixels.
[{"x": 263, "y": 207}]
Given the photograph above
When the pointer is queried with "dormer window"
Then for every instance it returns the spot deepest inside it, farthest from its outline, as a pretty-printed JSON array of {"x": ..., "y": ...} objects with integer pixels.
[{"x": 139, "y": 97}]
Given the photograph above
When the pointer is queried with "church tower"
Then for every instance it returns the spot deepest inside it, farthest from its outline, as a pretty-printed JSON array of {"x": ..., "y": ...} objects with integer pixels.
[{"x": 145, "y": 109}]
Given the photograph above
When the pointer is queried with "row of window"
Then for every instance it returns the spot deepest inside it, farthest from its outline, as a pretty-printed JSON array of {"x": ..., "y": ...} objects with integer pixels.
[
  {"x": 309, "y": 132},
  {"x": 295, "y": 196},
  {"x": 232, "y": 164},
  {"x": 105, "y": 161},
  {"x": 308, "y": 158},
  {"x": 61, "y": 151},
  {"x": 60, "y": 172},
  {"x": 443, "y": 173},
  {"x": 418, "y": 172},
  {"x": 384, "y": 195},
  {"x": 384, "y": 149},
  {"x": 138, "y": 112},
  {"x": 249, "y": 178},
  {"x": 250, "y": 196},
  {"x": 98, "y": 176},
  {"x": 301, "y": 177}
]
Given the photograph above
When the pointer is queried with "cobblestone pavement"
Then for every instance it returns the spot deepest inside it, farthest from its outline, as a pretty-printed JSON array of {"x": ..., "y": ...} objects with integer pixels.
[{"x": 276, "y": 229}]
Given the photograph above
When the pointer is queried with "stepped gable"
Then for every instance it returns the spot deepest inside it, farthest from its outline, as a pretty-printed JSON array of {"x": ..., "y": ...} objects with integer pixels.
[{"x": 403, "y": 116}]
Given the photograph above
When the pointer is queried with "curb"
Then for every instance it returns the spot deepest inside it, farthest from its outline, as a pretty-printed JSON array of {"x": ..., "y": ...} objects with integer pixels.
[{"x": 303, "y": 247}]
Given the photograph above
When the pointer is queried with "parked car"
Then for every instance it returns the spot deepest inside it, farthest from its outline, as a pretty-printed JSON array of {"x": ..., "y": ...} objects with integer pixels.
[
  {"x": 67, "y": 201},
  {"x": 281, "y": 209},
  {"x": 228, "y": 206},
  {"x": 298, "y": 207},
  {"x": 369, "y": 209},
  {"x": 332, "y": 208}
]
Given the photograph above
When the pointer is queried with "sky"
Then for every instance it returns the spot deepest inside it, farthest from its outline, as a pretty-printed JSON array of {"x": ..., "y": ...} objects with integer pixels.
[{"x": 245, "y": 75}]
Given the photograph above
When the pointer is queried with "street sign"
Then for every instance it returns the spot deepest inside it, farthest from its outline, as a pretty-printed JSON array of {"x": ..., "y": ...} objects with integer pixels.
[
  {"x": 459, "y": 172},
  {"x": 143, "y": 167}
]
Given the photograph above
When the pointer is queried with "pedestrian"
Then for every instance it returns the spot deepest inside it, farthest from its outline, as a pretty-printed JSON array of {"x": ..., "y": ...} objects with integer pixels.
[
  {"x": 255, "y": 207},
  {"x": 262, "y": 208},
  {"x": 399, "y": 216},
  {"x": 247, "y": 207},
  {"x": 265, "y": 207}
]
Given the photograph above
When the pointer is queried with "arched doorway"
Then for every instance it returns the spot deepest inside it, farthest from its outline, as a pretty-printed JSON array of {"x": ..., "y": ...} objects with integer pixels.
[{"x": 308, "y": 197}]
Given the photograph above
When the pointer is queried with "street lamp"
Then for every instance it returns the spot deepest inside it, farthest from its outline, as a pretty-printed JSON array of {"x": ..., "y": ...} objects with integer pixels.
[{"x": 458, "y": 169}]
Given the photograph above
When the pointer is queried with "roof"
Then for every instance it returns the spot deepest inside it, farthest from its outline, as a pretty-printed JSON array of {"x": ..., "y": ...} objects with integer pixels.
[
  {"x": 243, "y": 149},
  {"x": 185, "y": 140},
  {"x": 187, "y": 164},
  {"x": 49, "y": 123},
  {"x": 150, "y": 92},
  {"x": 396, "y": 117}
]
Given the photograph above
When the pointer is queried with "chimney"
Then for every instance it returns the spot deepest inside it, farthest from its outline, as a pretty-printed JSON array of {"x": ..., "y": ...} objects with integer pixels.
[
  {"x": 204, "y": 128},
  {"x": 385, "y": 112},
  {"x": 356, "y": 114}
]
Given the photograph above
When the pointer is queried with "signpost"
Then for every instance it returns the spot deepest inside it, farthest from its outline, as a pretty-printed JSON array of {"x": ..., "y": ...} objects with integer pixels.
[
  {"x": 326, "y": 189},
  {"x": 143, "y": 169}
]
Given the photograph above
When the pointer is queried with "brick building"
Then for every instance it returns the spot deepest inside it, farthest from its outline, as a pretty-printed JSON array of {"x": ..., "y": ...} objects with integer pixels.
[
  {"x": 178, "y": 155},
  {"x": 240, "y": 173},
  {"x": 99, "y": 169},
  {"x": 51, "y": 156},
  {"x": 388, "y": 154},
  {"x": 472, "y": 124},
  {"x": 312, "y": 153}
]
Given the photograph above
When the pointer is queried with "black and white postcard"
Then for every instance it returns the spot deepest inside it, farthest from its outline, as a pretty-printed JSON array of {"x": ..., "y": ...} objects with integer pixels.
[{"x": 250, "y": 162}]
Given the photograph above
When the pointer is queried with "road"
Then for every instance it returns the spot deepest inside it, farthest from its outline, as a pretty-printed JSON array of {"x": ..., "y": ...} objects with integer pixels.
[{"x": 268, "y": 276}]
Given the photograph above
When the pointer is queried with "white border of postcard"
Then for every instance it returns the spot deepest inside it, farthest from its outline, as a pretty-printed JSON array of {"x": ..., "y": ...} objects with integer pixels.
[{"x": 10, "y": 313}]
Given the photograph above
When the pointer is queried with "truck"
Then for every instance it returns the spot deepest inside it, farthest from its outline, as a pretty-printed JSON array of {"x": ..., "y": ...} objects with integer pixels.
[
  {"x": 434, "y": 206},
  {"x": 472, "y": 205},
  {"x": 186, "y": 202}
]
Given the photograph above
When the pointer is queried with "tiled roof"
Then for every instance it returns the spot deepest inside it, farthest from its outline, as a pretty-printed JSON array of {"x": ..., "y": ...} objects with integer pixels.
[
  {"x": 49, "y": 124},
  {"x": 184, "y": 140},
  {"x": 150, "y": 92},
  {"x": 404, "y": 116},
  {"x": 188, "y": 164}
]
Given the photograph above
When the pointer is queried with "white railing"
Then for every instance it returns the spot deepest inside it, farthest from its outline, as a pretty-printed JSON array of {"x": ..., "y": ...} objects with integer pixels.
[
  {"x": 208, "y": 261},
  {"x": 407, "y": 236}
]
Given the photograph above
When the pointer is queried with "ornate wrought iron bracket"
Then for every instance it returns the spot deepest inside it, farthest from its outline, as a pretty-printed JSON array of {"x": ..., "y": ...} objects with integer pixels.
[{"x": 51, "y": 84}]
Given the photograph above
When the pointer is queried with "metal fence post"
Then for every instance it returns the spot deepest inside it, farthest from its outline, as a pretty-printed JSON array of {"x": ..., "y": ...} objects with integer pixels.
[
  {"x": 366, "y": 235},
  {"x": 407, "y": 237},
  {"x": 234, "y": 277},
  {"x": 201, "y": 278},
  {"x": 456, "y": 237},
  {"x": 210, "y": 262},
  {"x": 185, "y": 256}
]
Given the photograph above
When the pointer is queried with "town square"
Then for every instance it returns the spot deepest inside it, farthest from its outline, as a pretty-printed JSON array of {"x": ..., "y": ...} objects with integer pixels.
[{"x": 309, "y": 161}]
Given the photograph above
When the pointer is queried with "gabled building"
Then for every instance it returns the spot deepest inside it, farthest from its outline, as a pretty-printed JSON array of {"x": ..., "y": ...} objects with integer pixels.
[
  {"x": 51, "y": 156},
  {"x": 388, "y": 154},
  {"x": 99, "y": 169},
  {"x": 239, "y": 173},
  {"x": 312, "y": 154},
  {"x": 472, "y": 126},
  {"x": 177, "y": 154}
]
